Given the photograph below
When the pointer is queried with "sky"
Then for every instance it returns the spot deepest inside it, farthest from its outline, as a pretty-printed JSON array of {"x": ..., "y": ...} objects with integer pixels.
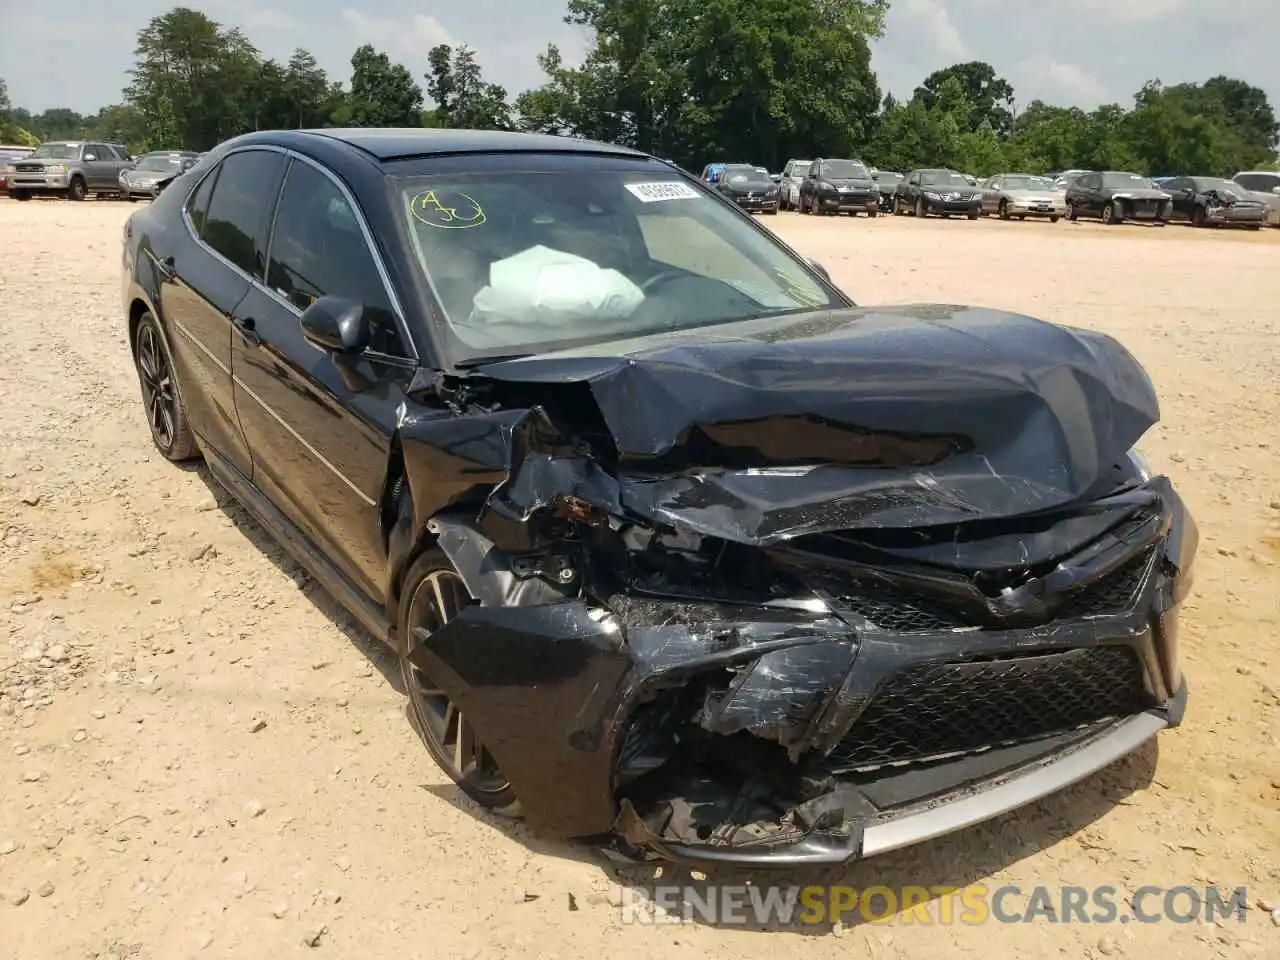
[{"x": 76, "y": 53}]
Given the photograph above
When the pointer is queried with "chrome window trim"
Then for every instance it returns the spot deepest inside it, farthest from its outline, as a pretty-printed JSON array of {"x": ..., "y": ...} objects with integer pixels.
[{"x": 396, "y": 309}]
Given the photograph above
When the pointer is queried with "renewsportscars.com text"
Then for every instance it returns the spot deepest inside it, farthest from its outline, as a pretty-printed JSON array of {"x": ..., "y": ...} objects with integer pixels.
[{"x": 970, "y": 906}]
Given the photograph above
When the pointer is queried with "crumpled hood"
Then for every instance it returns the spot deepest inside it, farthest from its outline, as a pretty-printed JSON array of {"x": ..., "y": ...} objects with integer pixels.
[{"x": 860, "y": 418}]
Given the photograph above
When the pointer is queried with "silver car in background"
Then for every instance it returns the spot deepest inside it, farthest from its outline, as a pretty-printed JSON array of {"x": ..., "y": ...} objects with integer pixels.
[
  {"x": 1020, "y": 195},
  {"x": 146, "y": 176},
  {"x": 1263, "y": 185},
  {"x": 793, "y": 175}
]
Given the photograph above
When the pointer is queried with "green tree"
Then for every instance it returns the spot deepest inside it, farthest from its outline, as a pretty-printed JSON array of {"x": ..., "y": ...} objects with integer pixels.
[
  {"x": 990, "y": 97},
  {"x": 463, "y": 99},
  {"x": 745, "y": 79},
  {"x": 309, "y": 97},
  {"x": 195, "y": 82},
  {"x": 383, "y": 94}
]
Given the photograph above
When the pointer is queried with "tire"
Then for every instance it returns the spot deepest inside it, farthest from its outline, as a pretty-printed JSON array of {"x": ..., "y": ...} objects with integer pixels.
[
  {"x": 1253, "y": 226},
  {"x": 444, "y": 731},
  {"x": 1111, "y": 215},
  {"x": 973, "y": 216},
  {"x": 161, "y": 396},
  {"x": 1071, "y": 211},
  {"x": 20, "y": 195},
  {"x": 1004, "y": 210},
  {"x": 873, "y": 213},
  {"x": 1198, "y": 217},
  {"x": 921, "y": 210},
  {"x": 1053, "y": 219},
  {"x": 77, "y": 190}
]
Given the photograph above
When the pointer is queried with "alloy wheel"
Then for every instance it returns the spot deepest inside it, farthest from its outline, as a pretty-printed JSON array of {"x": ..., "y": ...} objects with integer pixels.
[
  {"x": 157, "y": 388},
  {"x": 439, "y": 598}
]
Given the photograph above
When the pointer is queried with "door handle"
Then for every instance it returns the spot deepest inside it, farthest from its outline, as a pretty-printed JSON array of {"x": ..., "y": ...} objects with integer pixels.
[
  {"x": 247, "y": 329},
  {"x": 166, "y": 267}
]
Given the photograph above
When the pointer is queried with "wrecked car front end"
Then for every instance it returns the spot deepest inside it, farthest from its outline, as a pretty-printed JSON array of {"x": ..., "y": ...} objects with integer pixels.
[{"x": 798, "y": 595}]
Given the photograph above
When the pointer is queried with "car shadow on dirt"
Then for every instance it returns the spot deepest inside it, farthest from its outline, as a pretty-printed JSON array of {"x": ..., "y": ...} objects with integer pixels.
[
  {"x": 946, "y": 864},
  {"x": 374, "y": 650}
]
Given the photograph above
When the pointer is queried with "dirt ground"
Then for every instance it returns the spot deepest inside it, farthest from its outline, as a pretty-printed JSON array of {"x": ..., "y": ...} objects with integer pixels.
[{"x": 200, "y": 755}]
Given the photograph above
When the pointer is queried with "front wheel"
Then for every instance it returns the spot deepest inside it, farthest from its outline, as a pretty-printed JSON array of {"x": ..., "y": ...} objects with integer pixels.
[
  {"x": 166, "y": 417},
  {"x": 1053, "y": 219},
  {"x": 77, "y": 190},
  {"x": 1111, "y": 214},
  {"x": 921, "y": 210},
  {"x": 1071, "y": 211},
  {"x": 433, "y": 595},
  {"x": 20, "y": 195},
  {"x": 1004, "y": 209}
]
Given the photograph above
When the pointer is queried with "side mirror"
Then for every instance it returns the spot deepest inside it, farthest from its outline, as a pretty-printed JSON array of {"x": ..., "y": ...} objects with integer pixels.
[
  {"x": 337, "y": 325},
  {"x": 821, "y": 270},
  {"x": 1276, "y": 191},
  {"x": 89, "y": 157},
  {"x": 775, "y": 177}
]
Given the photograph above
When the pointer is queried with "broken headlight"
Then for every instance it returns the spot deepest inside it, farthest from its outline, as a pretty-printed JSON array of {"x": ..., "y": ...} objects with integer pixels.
[{"x": 1140, "y": 464}]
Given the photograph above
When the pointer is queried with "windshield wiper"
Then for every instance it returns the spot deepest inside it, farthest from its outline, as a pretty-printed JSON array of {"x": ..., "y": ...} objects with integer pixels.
[{"x": 470, "y": 362}]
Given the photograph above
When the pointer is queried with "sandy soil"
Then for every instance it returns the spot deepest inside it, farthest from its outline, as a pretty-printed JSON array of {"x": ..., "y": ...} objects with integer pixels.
[{"x": 200, "y": 755}]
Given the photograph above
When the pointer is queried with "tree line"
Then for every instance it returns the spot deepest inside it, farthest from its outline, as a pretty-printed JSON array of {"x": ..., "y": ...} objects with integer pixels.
[{"x": 691, "y": 80}]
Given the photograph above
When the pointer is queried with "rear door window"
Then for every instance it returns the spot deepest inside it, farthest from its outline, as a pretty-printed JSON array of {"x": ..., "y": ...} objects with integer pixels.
[{"x": 243, "y": 198}]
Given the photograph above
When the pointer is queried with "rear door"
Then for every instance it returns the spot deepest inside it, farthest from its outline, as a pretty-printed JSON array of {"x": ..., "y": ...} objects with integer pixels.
[
  {"x": 227, "y": 218},
  {"x": 319, "y": 426}
]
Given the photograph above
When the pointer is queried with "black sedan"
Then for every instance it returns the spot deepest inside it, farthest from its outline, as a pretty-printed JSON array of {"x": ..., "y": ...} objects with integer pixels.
[
  {"x": 839, "y": 186},
  {"x": 1214, "y": 202},
  {"x": 679, "y": 548},
  {"x": 1114, "y": 196},
  {"x": 749, "y": 187},
  {"x": 942, "y": 193}
]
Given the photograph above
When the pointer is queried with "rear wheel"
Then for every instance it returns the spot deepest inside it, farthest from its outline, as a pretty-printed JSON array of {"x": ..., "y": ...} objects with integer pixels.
[
  {"x": 433, "y": 595},
  {"x": 166, "y": 417},
  {"x": 1053, "y": 219}
]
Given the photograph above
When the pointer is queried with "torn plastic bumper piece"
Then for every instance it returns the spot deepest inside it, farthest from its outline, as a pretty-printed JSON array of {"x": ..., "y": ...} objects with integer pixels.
[{"x": 937, "y": 817}]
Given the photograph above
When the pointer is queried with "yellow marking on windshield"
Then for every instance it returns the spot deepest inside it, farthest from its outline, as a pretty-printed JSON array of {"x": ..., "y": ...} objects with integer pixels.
[{"x": 448, "y": 209}]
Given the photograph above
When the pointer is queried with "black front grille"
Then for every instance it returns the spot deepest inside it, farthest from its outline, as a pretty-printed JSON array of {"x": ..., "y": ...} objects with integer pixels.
[
  {"x": 936, "y": 710},
  {"x": 904, "y": 612},
  {"x": 1112, "y": 594}
]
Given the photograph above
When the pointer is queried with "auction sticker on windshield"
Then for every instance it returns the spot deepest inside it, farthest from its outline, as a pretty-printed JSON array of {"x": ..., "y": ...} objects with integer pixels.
[{"x": 653, "y": 191}]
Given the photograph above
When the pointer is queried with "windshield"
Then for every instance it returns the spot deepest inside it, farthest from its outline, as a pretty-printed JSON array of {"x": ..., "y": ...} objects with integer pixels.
[
  {"x": 883, "y": 177},
  {"x": 741, "y": 174},
  {"x": 57, "y": 151},
  {"x": 1123, "y": 181},
  {"x": 1028, "y": 183},
  {"x": 844, "y": 170},
  {"x": 529, "y": 261},
  {"x": 1222, "y": 186},
  {"x": 162, "y": 162},
  {"x": 941, "y": 178},
  {"x": 800, "y": 169}
]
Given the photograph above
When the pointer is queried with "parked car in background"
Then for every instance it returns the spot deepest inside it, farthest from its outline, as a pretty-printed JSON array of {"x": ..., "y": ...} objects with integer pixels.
[
  {"x": 1265, "y": 186},
  {"x": 1068, "y": 177},
  {"x": 749, "y": 187},
  {"x": 1021, "y": 195},
  {"x": 887, "y": 185},
  {"x": 943, "y": 193},
  {"x": 68, "y": 168},
  {"x": 10, "y": 154},
  {"x": 839, "y": 186},
  {"x": 1213, "y": 202},
  {"x": 668, "y": 537},
  {"x": 1114, "y": 196},
  {"x": 793, "y": 175},
  {"x": 146, "y": 176}
]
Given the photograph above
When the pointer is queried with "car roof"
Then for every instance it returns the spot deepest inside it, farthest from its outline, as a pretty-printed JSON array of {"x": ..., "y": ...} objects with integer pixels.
[{"x": 393, "y": 143}]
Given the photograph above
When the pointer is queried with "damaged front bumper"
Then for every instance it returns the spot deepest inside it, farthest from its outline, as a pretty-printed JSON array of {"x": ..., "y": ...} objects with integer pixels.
[{"x": 884, "y": 710}]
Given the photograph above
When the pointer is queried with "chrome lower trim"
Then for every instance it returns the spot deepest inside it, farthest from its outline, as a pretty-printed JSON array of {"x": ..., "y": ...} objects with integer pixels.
[{"x": 1019, "y": 790}]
